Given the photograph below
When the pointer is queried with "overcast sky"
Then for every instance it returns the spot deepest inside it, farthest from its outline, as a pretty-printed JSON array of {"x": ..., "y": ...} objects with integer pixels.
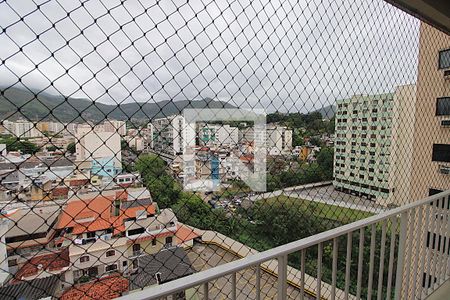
[{"x": 288, "y": 55}]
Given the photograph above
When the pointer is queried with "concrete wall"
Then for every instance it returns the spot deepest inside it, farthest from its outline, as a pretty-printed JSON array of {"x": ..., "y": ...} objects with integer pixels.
[
  {"x": 430, "y": 85},
  {"x": 402, "y": 144},
  {"x": 271, "y": 266}
]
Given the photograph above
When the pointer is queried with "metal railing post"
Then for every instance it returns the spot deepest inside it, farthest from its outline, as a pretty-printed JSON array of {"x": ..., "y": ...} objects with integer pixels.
[
  {"x": 360, "y": 263},
  {"x": 205, "y": 291},
  {"x": 348, "y": 264},
  {"x": 400, "y": 256},
  {"x": 319, "y": 270},
  {"x": 334, "y": 268},
  {"x": 302, "y": 271},
  {"x": 371, "y": 261},
  {"x": 282, "y": 277},
  {"x": 233, "y": 286},
  {"x": 258, "y": 282}
]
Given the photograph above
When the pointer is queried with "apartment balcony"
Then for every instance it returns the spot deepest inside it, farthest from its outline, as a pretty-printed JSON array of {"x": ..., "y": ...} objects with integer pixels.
[{"x": 386, "y": 256}]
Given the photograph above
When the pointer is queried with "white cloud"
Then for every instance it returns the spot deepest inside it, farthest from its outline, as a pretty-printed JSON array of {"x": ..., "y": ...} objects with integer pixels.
[{"x": 287, "y": 55}]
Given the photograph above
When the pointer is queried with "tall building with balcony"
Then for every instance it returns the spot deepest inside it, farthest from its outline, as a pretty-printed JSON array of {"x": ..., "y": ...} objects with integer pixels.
[
  {"x": 363, "y": 144},
  {"x": 431, "y": 157}
]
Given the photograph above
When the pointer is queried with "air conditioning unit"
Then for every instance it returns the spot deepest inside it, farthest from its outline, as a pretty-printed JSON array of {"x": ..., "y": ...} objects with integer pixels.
[
  {"x": 445, "y": 123},
  {"x": 447, "y": 74}
]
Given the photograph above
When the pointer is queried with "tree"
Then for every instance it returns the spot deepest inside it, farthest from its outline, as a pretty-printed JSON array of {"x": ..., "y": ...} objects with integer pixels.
[
  {"x": 16, "y": 144},
  {"x": 325, "y": 160},
  {"x": 71, "y": 148},
  {"x": 164, "y": 188},
  {"x": 52, "y": 148},
  {"x": 190, "y": 209},
  {"x": 283, "y": 220}
]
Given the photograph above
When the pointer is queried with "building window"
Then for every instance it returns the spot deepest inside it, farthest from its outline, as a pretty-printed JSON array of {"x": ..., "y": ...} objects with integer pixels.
[
  {"x": 12, "y": 262},
  {"x": 90, "y": 235},
  {"x": 136, "y": 247},
  {"x": 441, "y": 152},
  {"x": 77, "y": 274},
  {"x": 124, "y": 263},
  {"x": 111, "y": 268},
  {"x": 84, "y": 259},
  {"x": 136, "y": 231},
  {"x": 135, "y": 264},
  {"x": 110, "y": 253},
  {"x": 154, "y": 242},
  {"x": 443, "y": 106},
  {"x": 444, "y": 59}
]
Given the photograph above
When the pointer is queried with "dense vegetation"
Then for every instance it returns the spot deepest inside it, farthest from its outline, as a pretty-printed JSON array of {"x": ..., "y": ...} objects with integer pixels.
[
  {"x": 15, "y": 144},
  {"x": 284, "y": 173},
  {"x": 308, "y": 125}
]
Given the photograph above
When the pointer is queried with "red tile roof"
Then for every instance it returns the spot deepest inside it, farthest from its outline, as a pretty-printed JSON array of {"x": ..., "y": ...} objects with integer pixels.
[
  {"x": 60, "y": 191},
  {"x": 185, "y": 233},
  {"x": 49, "y": 262},
  {"x": 78, "y": 182},
  {"x": 102, "y": 289},
  {"x": 246, "y": 158},
  {"x": 95, "y": 214}
]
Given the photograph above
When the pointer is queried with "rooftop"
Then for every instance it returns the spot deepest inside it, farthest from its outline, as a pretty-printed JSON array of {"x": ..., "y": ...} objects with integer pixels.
[
  {"x": 171, "y": 264},
  {"x": 48, "y": 262},
  {"x": 102, "y": 289},
  {"x": 35, "y": 220},
  {"x": 37, "y": 162},
  {"x": 31, "y": 290},
  {"x": 185, "y": 233},
  {"x": 88, "y": 215}
]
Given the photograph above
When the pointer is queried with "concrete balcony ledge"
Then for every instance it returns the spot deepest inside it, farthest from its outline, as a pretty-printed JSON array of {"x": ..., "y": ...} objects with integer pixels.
[{"x": 443, "y": 292}]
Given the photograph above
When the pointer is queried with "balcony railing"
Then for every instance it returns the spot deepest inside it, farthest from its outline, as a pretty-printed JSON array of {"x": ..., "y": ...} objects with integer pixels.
[{"x": 399, "y": 261}]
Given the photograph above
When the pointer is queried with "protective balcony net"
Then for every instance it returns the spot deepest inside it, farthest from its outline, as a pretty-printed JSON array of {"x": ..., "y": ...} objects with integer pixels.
[{"x": 144, "y": 142}]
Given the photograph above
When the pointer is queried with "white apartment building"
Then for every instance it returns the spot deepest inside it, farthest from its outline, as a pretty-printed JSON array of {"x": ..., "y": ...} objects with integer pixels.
[
  {"x": 115, "y": 126},
  {"x": 97, "y": 145},
  {"x": 55, "y": 127},
  {"x": 373, "y": 145},
  {"x": 21, "y": 129},
  {"x": 172, "y": 135},
  {"x": 138, "y": 143},
  {"x": 217, "y": 135},
  {"x": 278, "y": 140}
]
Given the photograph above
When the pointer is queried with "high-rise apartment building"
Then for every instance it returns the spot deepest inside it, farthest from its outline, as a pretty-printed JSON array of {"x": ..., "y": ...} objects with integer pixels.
[
  {"x": 115, "y": 126},
  {"x": 431, "y": 153},
  {"x": 363, "y": 145},
  {"x": 171, "y": 135},
  {"x": 21, "y": 129},
  {"x": 278, "y": 140}
]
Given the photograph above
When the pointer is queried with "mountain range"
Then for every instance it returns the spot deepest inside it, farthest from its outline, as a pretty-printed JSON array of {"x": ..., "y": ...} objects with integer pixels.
[
  {"x": 327, "y": 112},
  {"x": 18, "y": 103}
]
